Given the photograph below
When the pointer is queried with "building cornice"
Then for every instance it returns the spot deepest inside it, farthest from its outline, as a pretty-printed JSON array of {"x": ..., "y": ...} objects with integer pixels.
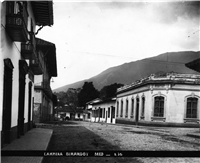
[{"x": 168, "y": 78}]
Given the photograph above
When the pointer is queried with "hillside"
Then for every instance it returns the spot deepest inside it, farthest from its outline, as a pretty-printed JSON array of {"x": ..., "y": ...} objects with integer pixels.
[{"x": 129, "y": 72}]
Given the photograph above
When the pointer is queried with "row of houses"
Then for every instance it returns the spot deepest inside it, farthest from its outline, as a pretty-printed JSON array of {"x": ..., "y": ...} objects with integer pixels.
[
  {"x": 27, "y": 65},
  {"x": 169, "y": 99}
]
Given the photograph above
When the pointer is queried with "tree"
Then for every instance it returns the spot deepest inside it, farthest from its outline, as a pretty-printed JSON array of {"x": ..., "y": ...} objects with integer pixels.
[
  {"x": 69, "y": 98},
  {"x": 109, "y": 91},
  {"x": 87, "y": 93},
  {"x": 60, "y": 98}
]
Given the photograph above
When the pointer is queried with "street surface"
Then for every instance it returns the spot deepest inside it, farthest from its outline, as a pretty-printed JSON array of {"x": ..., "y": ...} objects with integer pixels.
[{"x": 83, "y": 136}]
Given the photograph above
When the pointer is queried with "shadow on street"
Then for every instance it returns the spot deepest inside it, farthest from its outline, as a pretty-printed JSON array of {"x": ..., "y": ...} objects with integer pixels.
[{"x": 70, "y": 136}]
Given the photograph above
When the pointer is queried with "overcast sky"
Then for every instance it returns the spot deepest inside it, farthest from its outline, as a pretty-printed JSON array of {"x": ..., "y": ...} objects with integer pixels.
[{"x": 93, "y": 36}]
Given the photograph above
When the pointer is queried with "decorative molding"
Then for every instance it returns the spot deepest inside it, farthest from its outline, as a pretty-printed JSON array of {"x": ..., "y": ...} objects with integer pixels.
[
  {"x": 151, "y": 88},
  {"x": 191, "y": 120},
  {"x": 158, "y": 119},
  {"x": 167, "y": 88},
  {"x": 142, "y": 117},
  {"x": 192, "y": 94}
]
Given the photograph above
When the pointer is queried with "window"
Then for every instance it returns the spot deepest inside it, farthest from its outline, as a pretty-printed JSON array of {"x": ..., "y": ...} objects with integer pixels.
[
  {"x": 143, "y": 106},
  {"x": 103, "y": 112},
  {"x": 191, "y": 107},
  {"x": 127, "y": 108},
  {"x": 78, "y": 115},
  {"x": 159, "y": 106},
  {"x": 117, "y": 108},
  {"x": 132, "y": 107},
  {"x": 121, "y": 115},
  {"x": 108, "y": 112}
]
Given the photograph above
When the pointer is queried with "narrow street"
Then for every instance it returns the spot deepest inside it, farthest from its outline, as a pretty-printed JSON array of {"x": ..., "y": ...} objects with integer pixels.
[{"x": 83, "y": 136}]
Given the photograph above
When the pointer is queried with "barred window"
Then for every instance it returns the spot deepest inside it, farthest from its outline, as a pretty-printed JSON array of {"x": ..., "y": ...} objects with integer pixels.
[
  {"x": 159, "y": 106},
  {"x": 191, "y": 107}
]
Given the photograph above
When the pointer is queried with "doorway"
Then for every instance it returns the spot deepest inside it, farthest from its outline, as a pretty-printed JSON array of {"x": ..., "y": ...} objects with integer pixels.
[
  {"x": 106, "y": 115},
  {"x": 137, "y": 110},
  {"x": 7, "y": 101},
  {"x": 23, "y": 69},
  {"x": 29, "y": 104},
  {"x": 112, "y": 114}
]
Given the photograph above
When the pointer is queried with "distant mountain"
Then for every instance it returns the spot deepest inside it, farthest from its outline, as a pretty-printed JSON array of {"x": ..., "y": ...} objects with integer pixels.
[{"x": 129, "y": 72}]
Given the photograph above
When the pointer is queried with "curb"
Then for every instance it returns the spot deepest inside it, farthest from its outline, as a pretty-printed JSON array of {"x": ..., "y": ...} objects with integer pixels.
[{"x": 194, "y": 135}]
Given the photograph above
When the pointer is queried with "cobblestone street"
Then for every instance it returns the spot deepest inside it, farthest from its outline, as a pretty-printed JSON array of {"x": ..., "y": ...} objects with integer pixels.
[{"x": 96, "y": 136}]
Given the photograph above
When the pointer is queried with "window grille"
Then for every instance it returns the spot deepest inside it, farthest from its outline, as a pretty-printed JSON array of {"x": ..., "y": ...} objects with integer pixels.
[
  {"x": 159, "y": 106},
  {"x": 191, "y": 107}
]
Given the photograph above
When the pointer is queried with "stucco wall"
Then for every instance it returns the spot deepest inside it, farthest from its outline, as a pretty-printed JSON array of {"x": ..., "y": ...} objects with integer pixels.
[
  {"x": 175, "y": 100},
  {"x": 12, "y": 50},
  {"x": 105, "y": 105}
]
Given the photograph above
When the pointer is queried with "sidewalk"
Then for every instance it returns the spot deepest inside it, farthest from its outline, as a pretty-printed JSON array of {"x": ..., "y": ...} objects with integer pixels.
[{"x": 35, "y": 139}]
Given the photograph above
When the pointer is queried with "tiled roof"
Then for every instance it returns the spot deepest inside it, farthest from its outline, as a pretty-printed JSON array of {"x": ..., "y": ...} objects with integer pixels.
[{"x": 49, "y": 50}]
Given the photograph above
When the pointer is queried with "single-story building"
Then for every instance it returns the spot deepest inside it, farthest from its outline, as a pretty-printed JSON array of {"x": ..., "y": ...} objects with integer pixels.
[
  {"x": 67, "y": 113},
  {"x": 103, "y": 110},
  {"x": 169, "y": 99}
]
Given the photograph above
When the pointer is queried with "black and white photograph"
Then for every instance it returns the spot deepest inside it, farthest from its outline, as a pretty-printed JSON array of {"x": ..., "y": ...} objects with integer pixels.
[{"x": 103, "y": 81}]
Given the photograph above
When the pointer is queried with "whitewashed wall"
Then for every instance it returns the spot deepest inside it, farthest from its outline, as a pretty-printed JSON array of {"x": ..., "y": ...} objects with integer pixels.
[{"x": 175, "y": 101}]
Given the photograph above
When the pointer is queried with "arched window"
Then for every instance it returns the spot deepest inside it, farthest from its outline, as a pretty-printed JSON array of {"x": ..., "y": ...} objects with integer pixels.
[
  {"x": 159, "y": 106},
  {"x": 192, "y": 104}
]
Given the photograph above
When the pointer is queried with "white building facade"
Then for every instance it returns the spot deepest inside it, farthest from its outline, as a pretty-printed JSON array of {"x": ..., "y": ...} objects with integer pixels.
[
  {"x": 103, "y": 111},
  {"x": 166, "y": 100},
  {"x": 18, "y": 51}
]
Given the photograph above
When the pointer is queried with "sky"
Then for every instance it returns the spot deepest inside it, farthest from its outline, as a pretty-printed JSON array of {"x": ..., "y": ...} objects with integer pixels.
[{"x": 92, "y": 36}]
